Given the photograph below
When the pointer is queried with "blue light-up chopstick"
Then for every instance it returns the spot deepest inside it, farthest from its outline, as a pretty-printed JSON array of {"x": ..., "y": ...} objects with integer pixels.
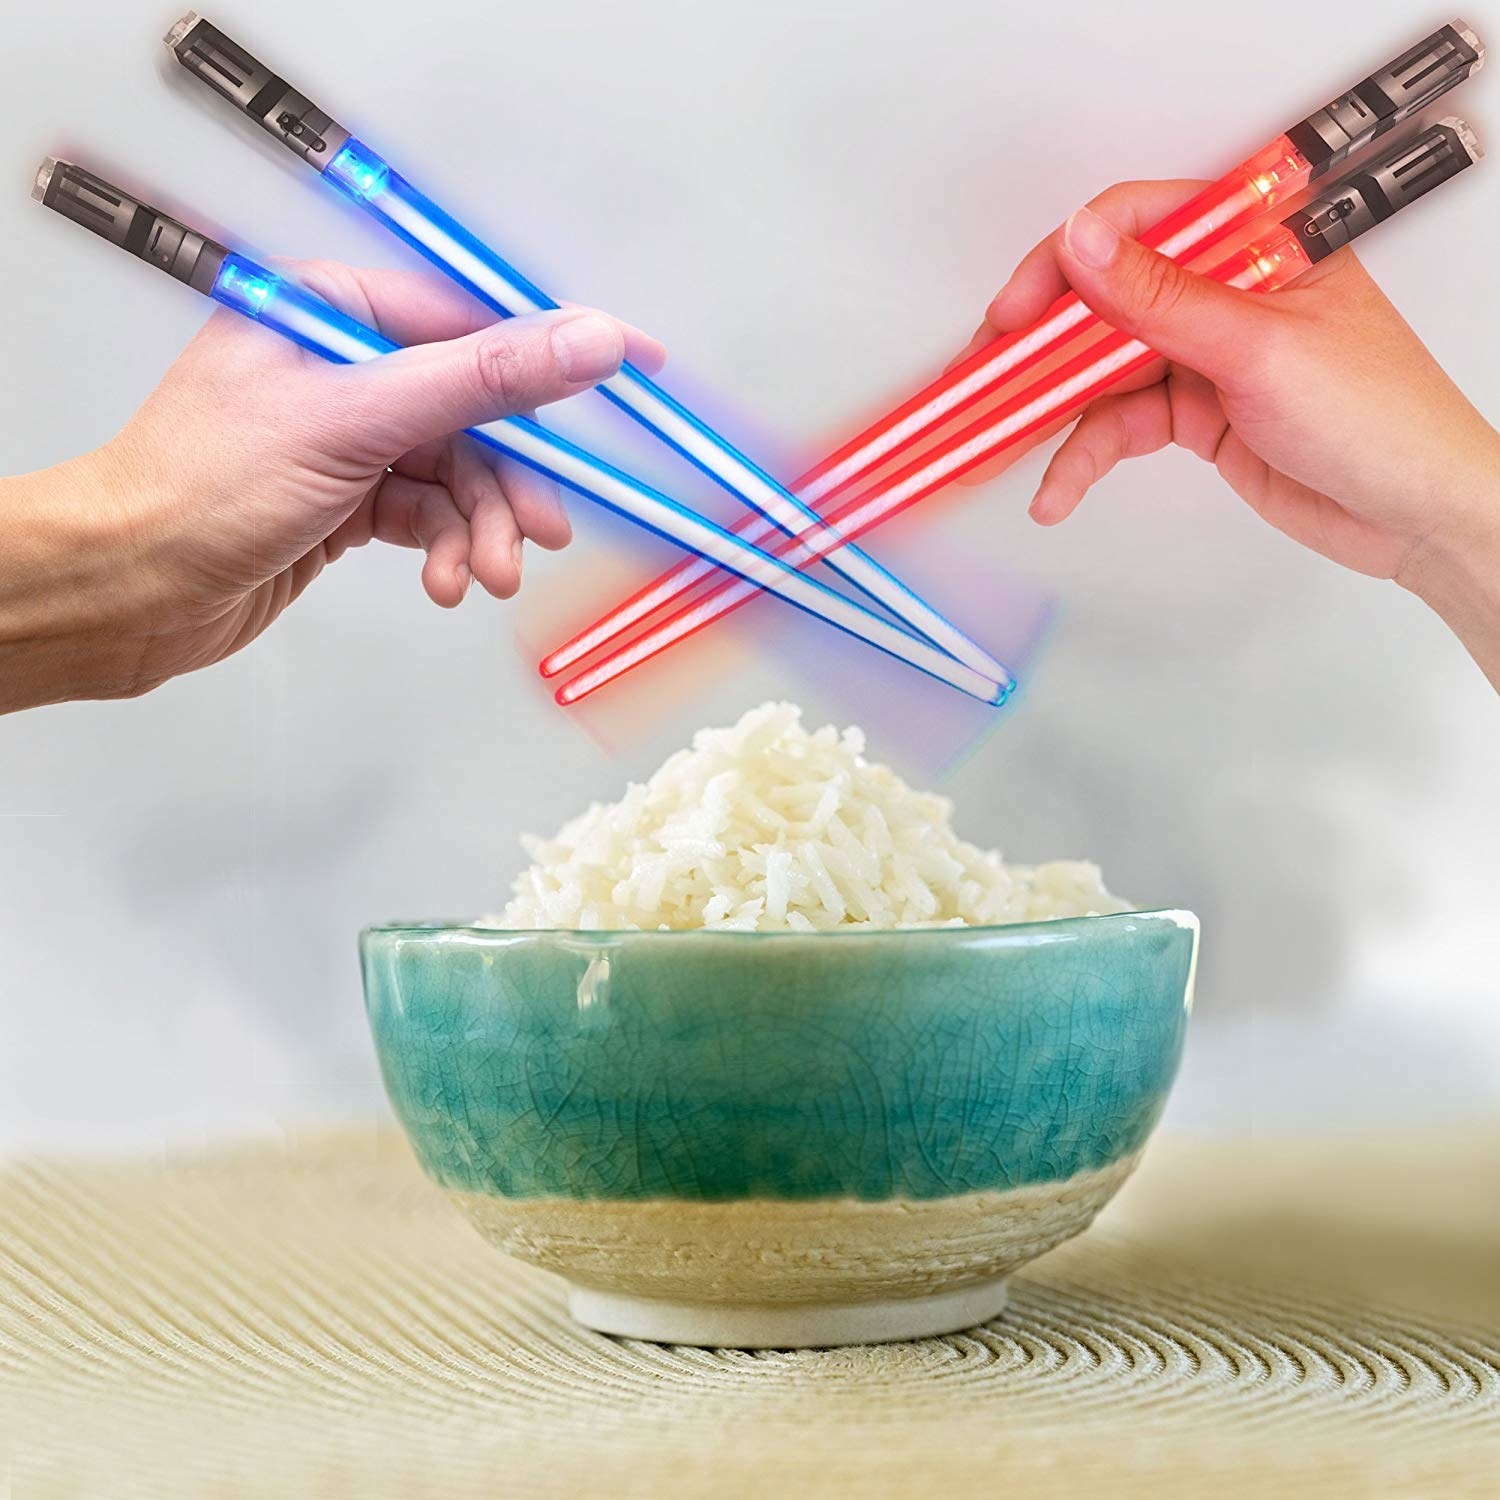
[
  {"x": 365, "y": 176},
  {"x": 278, "y": 304}
]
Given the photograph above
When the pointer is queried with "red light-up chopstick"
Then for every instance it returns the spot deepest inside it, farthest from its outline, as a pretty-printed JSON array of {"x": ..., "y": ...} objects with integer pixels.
[
  {"x": 1344, "y": 210},
  {"x": 1289, "y": 164}
]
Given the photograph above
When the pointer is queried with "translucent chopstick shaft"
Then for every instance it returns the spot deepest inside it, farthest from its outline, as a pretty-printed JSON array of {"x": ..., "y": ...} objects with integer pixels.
[
  {"x": 308, "y": 131},
  {"x": 939, "y": 403},
  {"x": 366, "y": 177},
  {"x": 1276, "y": 172},
  {"x": 1343, "y": 211},
  {"x": 296, "y": 314}
]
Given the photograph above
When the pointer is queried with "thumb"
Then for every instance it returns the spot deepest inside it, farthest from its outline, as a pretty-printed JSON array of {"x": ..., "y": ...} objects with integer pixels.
[
  {"x": 427, "y": 391},
  {"x": 1183, "y": 316}
]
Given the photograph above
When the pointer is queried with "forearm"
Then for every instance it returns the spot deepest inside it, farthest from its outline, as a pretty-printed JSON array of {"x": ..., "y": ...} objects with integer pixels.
[
  {"x": 74, "y": 615},
  {"x": 1456, "y": 569}
]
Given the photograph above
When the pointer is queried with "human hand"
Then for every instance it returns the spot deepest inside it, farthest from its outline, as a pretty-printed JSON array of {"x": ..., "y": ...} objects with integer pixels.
[
  {"x": 254, "y": 464},
  {"x": 1319, "y": 405}
]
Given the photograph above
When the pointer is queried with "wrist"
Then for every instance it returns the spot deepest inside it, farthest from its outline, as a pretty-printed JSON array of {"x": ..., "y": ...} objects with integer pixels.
[
  {"x": 1455, "y": 569},
  {"x": 77, "y": 603}
]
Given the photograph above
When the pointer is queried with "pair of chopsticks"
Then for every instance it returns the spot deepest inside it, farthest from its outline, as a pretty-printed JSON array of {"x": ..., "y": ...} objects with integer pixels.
[
  {"x": 930, "y": 642},
  {"x": 795, "y": 533},
  {"x": 1294, "y": 162}
]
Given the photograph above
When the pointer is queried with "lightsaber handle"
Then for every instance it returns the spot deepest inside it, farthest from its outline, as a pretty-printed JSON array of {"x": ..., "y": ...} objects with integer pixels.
[
  {"x": 136, "y": 227},
  {"x": 292, "y": 118},
  {"x": 1388, "y": 97},
  {"x": 1308, "y": 150},
  {"x": 1361, "y": 200}
]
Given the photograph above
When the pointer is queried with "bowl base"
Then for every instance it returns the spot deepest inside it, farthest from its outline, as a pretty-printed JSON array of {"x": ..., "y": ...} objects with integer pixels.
[{"x": 812, "y": 1325}]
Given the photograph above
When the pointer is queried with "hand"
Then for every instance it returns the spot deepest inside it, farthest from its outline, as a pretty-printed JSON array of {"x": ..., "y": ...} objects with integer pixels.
[
  {"x": 1318, "y": 405},
  {"x": 254, "y": 464}
]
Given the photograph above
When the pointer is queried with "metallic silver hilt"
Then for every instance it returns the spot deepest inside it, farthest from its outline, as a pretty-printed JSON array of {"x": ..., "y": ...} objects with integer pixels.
[{"x": 255, "y": 90}]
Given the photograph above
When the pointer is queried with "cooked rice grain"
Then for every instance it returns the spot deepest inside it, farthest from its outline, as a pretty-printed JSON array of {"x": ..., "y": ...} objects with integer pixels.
[{"x": 765, "y": 826}]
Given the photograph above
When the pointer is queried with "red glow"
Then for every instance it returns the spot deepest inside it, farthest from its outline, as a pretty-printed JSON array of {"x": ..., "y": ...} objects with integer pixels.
[
  {"x": 1263, "y": 179},
  {"x": 1108, "y": 360}
]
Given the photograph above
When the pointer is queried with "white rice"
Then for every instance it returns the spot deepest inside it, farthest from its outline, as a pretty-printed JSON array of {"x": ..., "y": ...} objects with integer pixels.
[{"x": 766, "y": 827}]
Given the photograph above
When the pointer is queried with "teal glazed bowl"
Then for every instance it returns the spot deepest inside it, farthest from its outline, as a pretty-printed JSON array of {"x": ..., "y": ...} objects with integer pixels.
[{"x": 782, "y": 1139}]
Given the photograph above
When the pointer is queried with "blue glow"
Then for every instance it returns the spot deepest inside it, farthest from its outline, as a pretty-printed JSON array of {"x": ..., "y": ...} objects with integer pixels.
[
  {"x": 413, "y": 217},
  {"x": 410, "y": 215},
  {"x": 307, "y": 320},
  {"x": 359, "y": 171},
  {"x": 244, "y": 286},
  {"x": 295, "y": 313}
]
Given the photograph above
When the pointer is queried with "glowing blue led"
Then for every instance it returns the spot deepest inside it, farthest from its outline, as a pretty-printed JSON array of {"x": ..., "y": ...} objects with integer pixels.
[
  {"x": 243, "y": 290},
  {"x": 358, "y": 170}
]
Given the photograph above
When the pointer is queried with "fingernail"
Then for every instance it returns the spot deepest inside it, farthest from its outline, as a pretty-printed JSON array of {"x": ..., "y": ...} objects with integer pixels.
[
  {"x": 647, "y": 353},
  {"x": 587, "y": 348},
  {"x": 465, "y": 578},
  {"x": 1090, "y": 239},
  {"x": 515, "y": 555}
]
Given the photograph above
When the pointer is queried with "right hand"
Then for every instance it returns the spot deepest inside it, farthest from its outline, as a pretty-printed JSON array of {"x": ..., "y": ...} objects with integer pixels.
[{"x": 1318, "y": 404}]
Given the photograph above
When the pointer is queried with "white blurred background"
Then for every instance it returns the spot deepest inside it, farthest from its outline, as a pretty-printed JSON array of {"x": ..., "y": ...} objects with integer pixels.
[{"x": 811, "y": 203}]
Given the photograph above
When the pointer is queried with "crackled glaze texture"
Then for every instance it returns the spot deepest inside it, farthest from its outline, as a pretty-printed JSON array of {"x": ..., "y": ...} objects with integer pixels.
[{"x": 722, "y": 1066}]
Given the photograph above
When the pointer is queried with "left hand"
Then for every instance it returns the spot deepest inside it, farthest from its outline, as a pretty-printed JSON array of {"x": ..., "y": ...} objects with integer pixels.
[{"x": 254, "y": 464}]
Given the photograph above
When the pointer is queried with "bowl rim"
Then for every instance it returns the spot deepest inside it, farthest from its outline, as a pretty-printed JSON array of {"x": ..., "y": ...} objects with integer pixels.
[{"x": 1054, "y": 927}]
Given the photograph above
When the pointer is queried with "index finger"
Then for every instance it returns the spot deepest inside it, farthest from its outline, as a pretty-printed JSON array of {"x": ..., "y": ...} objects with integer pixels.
[{"x": 414, "y": 307}]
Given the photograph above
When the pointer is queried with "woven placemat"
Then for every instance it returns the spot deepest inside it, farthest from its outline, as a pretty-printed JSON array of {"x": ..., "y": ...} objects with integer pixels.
[{"x": 311, "y": 1319}]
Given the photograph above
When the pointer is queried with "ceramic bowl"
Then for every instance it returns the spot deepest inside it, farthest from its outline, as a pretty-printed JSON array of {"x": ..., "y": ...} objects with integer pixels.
[{"x": 782, "y": 1139}]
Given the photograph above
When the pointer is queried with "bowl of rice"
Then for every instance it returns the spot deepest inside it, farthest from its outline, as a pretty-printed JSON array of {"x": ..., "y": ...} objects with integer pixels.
[{"x": 764, "y": 1055}]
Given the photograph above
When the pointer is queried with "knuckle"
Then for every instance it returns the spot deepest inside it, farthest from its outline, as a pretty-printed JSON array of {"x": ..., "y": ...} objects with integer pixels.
[
  {"x": 1116, "y": 195},
  {"x": 336, "y": 283},
  {"x": 502, "y": 371},
  {"x": 1114, "y": 441},
  {"x": 1159, "y": 287},
  {"x": 138, "y": 687},
  {"x": 320, "y": 276},
  {"x": 1094, "y": 449}
]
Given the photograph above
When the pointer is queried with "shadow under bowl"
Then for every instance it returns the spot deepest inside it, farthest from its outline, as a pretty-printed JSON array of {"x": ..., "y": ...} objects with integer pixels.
[{"x": 782, "y": 1139}]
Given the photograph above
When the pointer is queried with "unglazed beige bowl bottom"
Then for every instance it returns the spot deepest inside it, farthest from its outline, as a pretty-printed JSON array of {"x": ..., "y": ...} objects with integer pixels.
[{"x": 784, "y": 1274}]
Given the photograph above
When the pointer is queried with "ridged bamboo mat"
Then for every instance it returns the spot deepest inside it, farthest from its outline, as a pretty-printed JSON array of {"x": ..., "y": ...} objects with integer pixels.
[{"x": 310, "y": 1319}]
